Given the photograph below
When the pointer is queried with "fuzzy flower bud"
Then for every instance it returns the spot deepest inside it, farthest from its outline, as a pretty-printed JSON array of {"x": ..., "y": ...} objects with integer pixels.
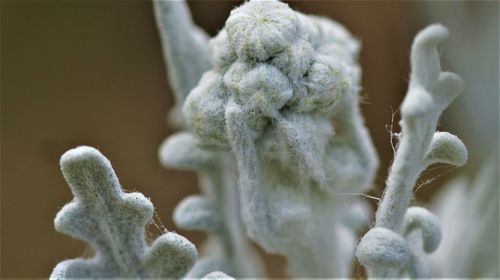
[
  {"x": 204, "y": 106},
  {"x": 261, "y": 29},
  {"x": 271, "y": 58},
  {"x": 282, "y": 88}
]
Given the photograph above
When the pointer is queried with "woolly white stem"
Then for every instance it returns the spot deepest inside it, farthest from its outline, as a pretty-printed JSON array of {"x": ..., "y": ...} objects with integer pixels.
[
  {"x": 185, "y": 46},
  {"x": 430, "y": 92},
  {"x": 231, "y": 235},
  {"x": 216, "y": 211},
  {"x": 402, "y": 178},
  {"x": 420, "y": 112},
  {"x": 242, "y": 140},
  {"x": 246, "y": 261}
]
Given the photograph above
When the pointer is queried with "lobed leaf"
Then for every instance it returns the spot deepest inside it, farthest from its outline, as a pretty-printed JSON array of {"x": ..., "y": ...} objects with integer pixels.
[{"x": 112, "y": 222}]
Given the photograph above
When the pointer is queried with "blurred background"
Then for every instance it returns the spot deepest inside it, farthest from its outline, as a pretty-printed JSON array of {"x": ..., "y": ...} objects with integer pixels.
[{"x": 92, "y": 73}]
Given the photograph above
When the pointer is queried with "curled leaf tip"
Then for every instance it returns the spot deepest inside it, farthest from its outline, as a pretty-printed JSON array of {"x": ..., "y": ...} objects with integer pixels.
[
  {"x": 197, "y": 213},
  {"x": 381, "y": 247},
  {"x": 418, "y": 218},
  {"x": 446, "y": 148},
  {"x": 432, "y": 34}
]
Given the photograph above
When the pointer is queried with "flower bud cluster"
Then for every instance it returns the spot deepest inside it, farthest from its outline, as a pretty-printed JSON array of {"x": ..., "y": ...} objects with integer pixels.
[
  {"x": 282, "y": 97},
  {"x": 270, "y": 59}
]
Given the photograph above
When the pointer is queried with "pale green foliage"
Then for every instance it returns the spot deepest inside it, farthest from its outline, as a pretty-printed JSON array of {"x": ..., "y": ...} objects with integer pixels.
[
  {"x": 197, "y": 212},
  {"x": 283, "y": 93},
  {"x": 216, "y": 211},
  {"x": 418, "y": 218},
  {"x": 112, "y": 222},
  {"x": 381, "y": 248},
  {"x": 188, "y": 56},
  {"x": 275, "y": 94},
  {"x": 430, "y": 92}
]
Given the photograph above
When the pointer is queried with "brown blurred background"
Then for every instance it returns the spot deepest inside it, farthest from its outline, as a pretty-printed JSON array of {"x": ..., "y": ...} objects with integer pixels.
[{"x": 92, "y": 73}]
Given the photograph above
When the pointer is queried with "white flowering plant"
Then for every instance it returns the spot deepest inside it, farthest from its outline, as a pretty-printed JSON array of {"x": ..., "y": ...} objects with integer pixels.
[{"x": 275, "y": 95}]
